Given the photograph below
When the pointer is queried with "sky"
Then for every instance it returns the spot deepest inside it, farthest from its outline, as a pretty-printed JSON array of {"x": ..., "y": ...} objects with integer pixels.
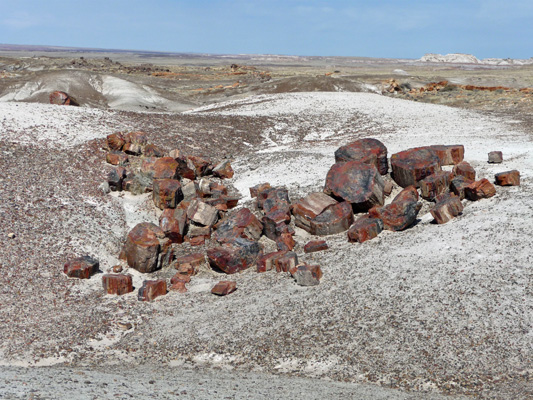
[{"x": 356, "y": 28}]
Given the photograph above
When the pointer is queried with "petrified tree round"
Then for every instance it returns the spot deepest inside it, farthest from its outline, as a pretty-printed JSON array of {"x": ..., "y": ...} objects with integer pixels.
[
  {"x": 411, "y": 166},
  {"x": 357, "y": 183},
  {"x": 142, "y": 247},
  {"x": 368, "y": 151}
]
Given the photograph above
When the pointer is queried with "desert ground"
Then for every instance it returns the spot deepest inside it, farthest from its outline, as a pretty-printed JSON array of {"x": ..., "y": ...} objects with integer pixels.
[{"x": 434, "y": 311}]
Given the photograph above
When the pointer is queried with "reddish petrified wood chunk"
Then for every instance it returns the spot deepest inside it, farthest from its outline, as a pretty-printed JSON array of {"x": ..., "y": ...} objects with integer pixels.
[
  {"x": 266, "y": 261},
  {"x": 466, "y": 170},
  {"x": 152, "y": 289},
  {"x": 401, "y": 213},
  {"x": 304, "y": 210},
  {"x": 115, "y": 141},
  {"x": 285, "y": 241},
  {"x": 151, "y": 150},
  {"x": 334, "y": 219},
  {"x": 115, "y": 178},
  {"x": 449, "y": 154},
  {"x": 224, "y": 288},
  {"x": 142, "y": 247},
  {"x": 368, "y": 151},
  {"x": 255, "y": 190},
  {"x": 495, "y": 157},
  {"x": 137, "y": 137},
  {"x": 173, "y": 222},
  {"x": 508, "y": 178},
  {"x": 116, "y": 158},
  {"x": 199, "y": 165},
  {"x": 481, "y": 189},
  {"x": 62, "y": 99},
  {"x": 407, "y": 194},
  {"x": 277, "y": 199},
  {"x": 458, "y": 184},
  {"x": 190, "y": 264},
  {"x": 242, "y": 224},
  {"x": 81, "y": 267},
  {"x": 166, "y": 168},
  {"x": 364, "y": 229},
  {"x": 133, "y": 149},
  {"x": 315, "y": 245},
  {"x": 202, "y": 213},
  {"x": 359, "y": 184},
  {"x": 236, "y": 256},
  {"x": 117, "y": 284},
  {"x": 411, "y": 166},
  {"x": 186, "y": 168},
  {"x": 276, "y": 223},
  {"x": 446, "y": 209},
  {"x": 223, "y": 170},
  {"x": 286, "y": 261},
  {"x": 387, "y": 189},
  {"x": 433, "y": 185},
  {"x": 166, "y": 193},
  {"x": 178, "y": 286},
  {"x": 307, "y": 275}
]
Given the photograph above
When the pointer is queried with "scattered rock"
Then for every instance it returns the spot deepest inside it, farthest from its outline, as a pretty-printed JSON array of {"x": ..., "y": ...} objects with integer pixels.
[
  {"x": 235, "y": 256},
  {"x": 223, "y": 170},
  {"x": 449, "y": 154},
  {"x": 173, "y": 223},
  {"x": 115, "y": 141},
  {"x": 285, "y": 241},
  {"x": 151, "y": 150},
  {"x": 336, "y": 218},
  {"x": 62, "y": 99},
  {"x": 117, "y": 284},
  {"x": 387, "y": 189},
  {"x": 315, "y": 245},
  {"x": 200, "y": 166},
  {"x": 310, "y": 207},
  {"x": 174, "y": 153},
  {"x": 495, "y": 157},
  {"x": 190, "y": 264},
  {"x": 150, "y": 290},
  {"x": 458, "y": 184},
  {"x": 224, "y": 288},
  {"x": 255, "y": 190},
  {"x": 166, "y": 193},
  {"x": 266, "y": 261},
  {"x": 117, "y": 269},
  {"x": 137, "y": 137},
  {"x": 401, "y": 213},
  {"x": 365, "y": 228},
  {"x": 433, "y": 185},
  {"x": 367, "y": 151},
  {"x": 308, "y": 275},
  {"x": 466, "y": 170},
  {"x": 411, "y": 166},
  {"x": 81, "y": 267},
  {"x": 242, "y": 224},
  {"x": 508, "y": 178},
  {"x": 133, "y": 149},
  {"x": 143, "y": 246},
  {"x": 115, "y": 178},
  {"x": 481, "y": 189},
  {"x": 359, "y": 184},
  {"x": 166, "y": 168},
  {"x": 446, "y": 209},
  {"x": 11, "y": 235},
  {"x": 116, "y": 158},
  {"x": 189, "y": 189},
  {"x": 286, "y": 261},
  {"x": 202, "y": 213}
]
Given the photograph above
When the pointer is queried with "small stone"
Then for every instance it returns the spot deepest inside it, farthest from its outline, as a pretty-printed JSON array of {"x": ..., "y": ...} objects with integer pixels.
[
  {"x": 365, "y": 228},
  {"x": 117, "y": 269},
  {"x": 495, "y": 157},
  {"x": 508, "y": 178},
  {"x": 117, "y": 284},
  {"x": 315, "y": 245},
  {"x": 411, "y": 166},
  {"x": 401, "y": 213},
  {"x": 137, "y": 137},
  {"x": 116, "y": 158},
  {"x": 11, "y": 235},
  {"x": 175, "y": 153},
  {"x": 387, "y": 189},
  {"x": 115, "y": 178},
  {"x": 266, "y": 261},
  {"x": 466, "y": 170},
  {"x": 142, "y": 247},
  {"x": 481, "y": 189},
  {"x": 285, "y": 241},
  {"x": 308, "y": 275},
  {"x": 304, "y": 210},
  {"x": 357, "y": 183},
  {"x": 132, "y": 149},
  {"x": 190, "y": 264},
  {"x": 179, "y": 277},
  {"x": 189, "y": 190},
  {"x": 62, "y": 99},
  {"x": 82, "y": 267},
  {"x": 173, "y": 222},
  {"x": 224, "y": 288},
  {"x": 178, "y": 287},
  {"x": 255, "y": 190},
  {"x": 223, "y": 170},
  {"x": 151, "y": 150},
  {"x": 115, "y": 141},
  {"x": 435, "y": 184},
  {"x": 286, "y": 261},
  {"x": 150, "y": 290},
  {"x": 446, "y": 209}
]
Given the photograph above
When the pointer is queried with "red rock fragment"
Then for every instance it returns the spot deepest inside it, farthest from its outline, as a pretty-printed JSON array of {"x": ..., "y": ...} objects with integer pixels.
[
  {"x": 255, "y": 190},
  {"x": 198, "y": 234},
  {"x": 458, "y": 184},
  {"x": 466, "y": 170},
  {"x": 166, "y": 193},
  {"x": 166, "y": 168},
  {"x": 266, "y": 261},
  {"x": 275, "y": 223},
  {"x": 433, "y": 185},
  {"x": 309, "y": 207},
  {"x": 143, "y": 246},
  {"x": 364, "y": 229},
  {"x": 359, "y": 184},
  {"x": 236, "y": 256},
  {"x": 449, "y": 154},
  {"x": 408, "y": 194},
  {"x": 411, "y": 166},
  {"x": 150, "y": 290},
  {"x": 481, "y": 189},
  {"x": 285, "y": 241},
  {"x": 334, "y": 219},
  {"x": 179, "y": 277},
  {"x": 286, "y": 261},
  {"x": 387, "y": 189},
  {"x": 367, "y": 151},
  {"x": 116, "y": 158},
  {"x": 115, "y": 178},
  {"x": 199, "y": 165},
  {"x": 178, "y": 287},
  {"x": 508, "y": 178},
  {"x": 495, "y": 157},
  {"x": 315, "y": 245},
  {"x": 115, "y": 141},
  {"x": 242, "y": 224},
  {"x": 190, "y": 264},
  {"x": 185, "y": 168},
  {"x": 224, "y": 288},
  {"x": 307, "y": 275},
  {"x": 174, "y": 153},
  {"x": 148, "y": 165},
  {"x": 202, "y": 213},
  {"x": 82, "y": 267},
  {"x": 151, "y": 150},
  {"x": 401, "y": 213},
  {"x": 223, "y": 170},
  {"x": 137, "y": 137},
  {"x": 173, "y": 223},
  {"x": 117, "y": 269},
  {"x": 62, "y": 99},
  {"x": 446, "y": 209},
  {"x": 117, "y": 284},
  {"x": 133, "y": 149}
]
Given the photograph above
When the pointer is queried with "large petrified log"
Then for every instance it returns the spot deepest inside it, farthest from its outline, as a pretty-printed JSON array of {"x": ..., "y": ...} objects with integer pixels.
[
  {"x": 368, "y": 151},
  {"x": 411, "y": 166}
]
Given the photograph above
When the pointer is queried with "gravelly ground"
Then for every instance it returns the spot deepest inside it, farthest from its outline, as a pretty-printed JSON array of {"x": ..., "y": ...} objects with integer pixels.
[{"x": 435, "y": 308}]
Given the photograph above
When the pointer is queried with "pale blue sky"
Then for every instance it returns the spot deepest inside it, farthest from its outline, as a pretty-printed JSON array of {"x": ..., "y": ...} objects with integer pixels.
[{"x": 372, "y": 28}]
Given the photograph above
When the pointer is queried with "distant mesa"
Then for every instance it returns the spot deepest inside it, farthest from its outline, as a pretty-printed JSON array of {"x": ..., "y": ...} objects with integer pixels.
[{"x": 459, "y": 58}]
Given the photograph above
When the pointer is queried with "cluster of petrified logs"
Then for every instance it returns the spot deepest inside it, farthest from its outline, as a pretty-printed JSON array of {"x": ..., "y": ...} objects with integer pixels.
[{"x": 195, "y": 209}]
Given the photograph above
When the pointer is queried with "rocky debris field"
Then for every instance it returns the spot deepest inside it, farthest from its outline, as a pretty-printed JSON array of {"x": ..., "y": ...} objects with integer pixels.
[{"x": 433, "y": 308}]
